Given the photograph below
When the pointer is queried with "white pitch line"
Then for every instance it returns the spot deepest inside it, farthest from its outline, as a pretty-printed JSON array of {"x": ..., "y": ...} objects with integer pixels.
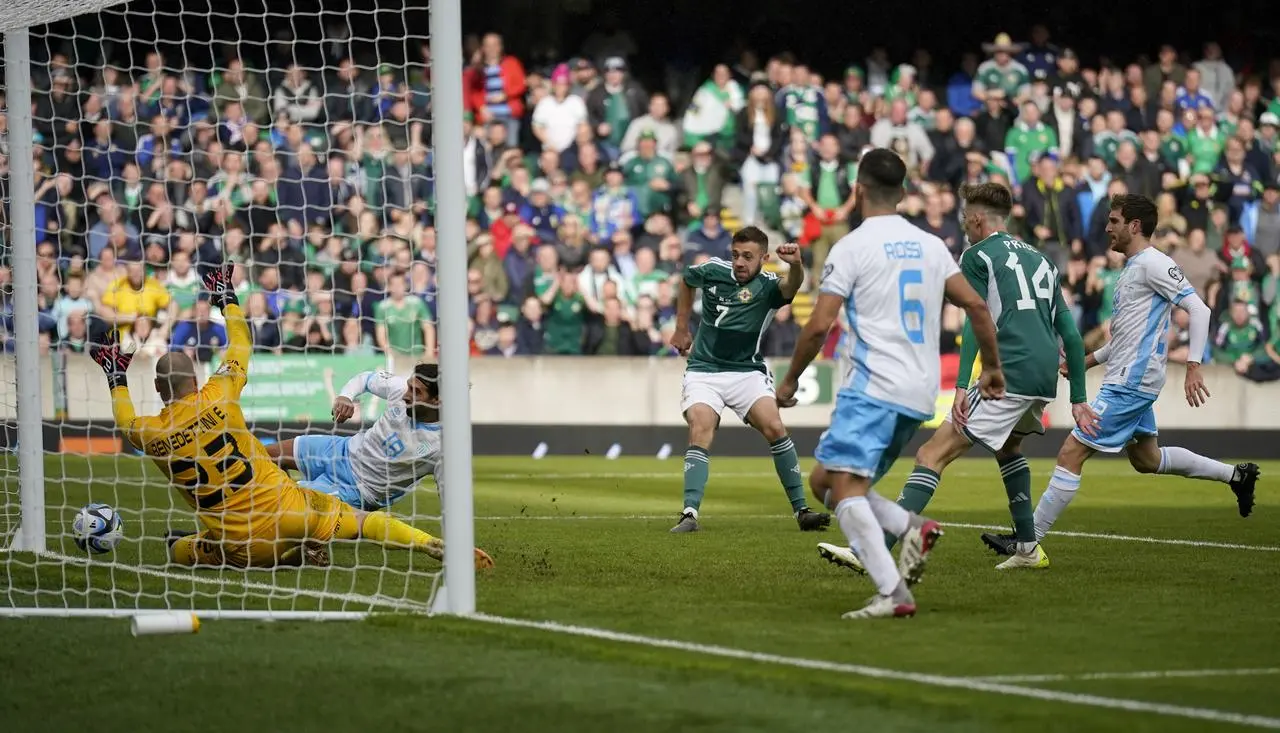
[
  {"x": 272, "y": 590},
  {"x": 858, "y": 670},
  {"x": 1149, "y": 675},
  {"x": 1207, "y": 544}
]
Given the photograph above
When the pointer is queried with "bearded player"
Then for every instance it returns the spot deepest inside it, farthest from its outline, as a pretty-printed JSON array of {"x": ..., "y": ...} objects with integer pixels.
[
  {"x": 1148, "y": 290},
  {"x": 375, "y": 467},
  {"x": 726, "y": 369},
  {"x": 253, "y": 514},
  {"x": 1021, "y": 290}
]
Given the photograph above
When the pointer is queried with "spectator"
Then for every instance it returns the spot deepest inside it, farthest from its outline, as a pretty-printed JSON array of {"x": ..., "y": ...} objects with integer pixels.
[
  {"x": 1237, "y": 181},
  {"x": 651, "y": 178},
  {"x": 182, "y": 283},
  {"x": 240, "y": 92},
  {"x": 1027, "y": 140},
  {"x": 263, "y": 328},
  {"x": 1190, "y": 95},
  {"x": 529, "y": 330},
  {"x": 1239, "y": 336},
  {"x": 133, "y": 296},
  {"x": 710, "y": 239},
  {"x": 297, "y": 98},
  {"x": 761, "y": 133},
  {"x": 495, "y": 85},
  {"x": 541, "y": 213},
  {"x": 404, "y": 325},
  {"x": 144, "y": 339},
  {"x": 1138, "y": 174},
  {"x": 71, "y": 302},
  {"x": 1052, "y": 215},
  {"x": 711, "y": 114},
  {"x": 557, "y": 117},
  {"x": 783, "y": 334},
  {"x": 1166, "y": 69},
  {"x": 702, "y": 184},
  {"x": 484, "y": 334},
  {"x": 644, "y": 282},
  {"x": 830, "y": 198},
  {"x": 1002, "y": 71},
  {"x": 1261, "y": 221},
  {"x": 614, "y": 206},
  {"x": 802, "y": 106},
  {"x": 657, "y": 121},
  {"x": 566, "y": 315},
  {"x": 482, "y": 259},
  {"x": 907, "y": 138},
  {"x": 199, "y": 337},
  {"x": 508, "y": 344},
  {"x": 611, "y": 334},
  {"x": 1205, "y": 142},
  {"x": 647, "y": 329},
  {"x": 612, "y": 106},
  {"x": 591, "y": 281}
]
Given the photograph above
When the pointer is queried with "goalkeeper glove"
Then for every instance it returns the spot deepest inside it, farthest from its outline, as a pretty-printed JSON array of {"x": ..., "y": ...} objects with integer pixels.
[
  {"x": 221, "y": 292},
  {"x": 114, "y": 362}
]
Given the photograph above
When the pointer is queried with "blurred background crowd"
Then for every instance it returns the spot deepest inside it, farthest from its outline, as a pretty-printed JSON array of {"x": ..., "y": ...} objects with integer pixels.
[{"x": 589, "y": 191}]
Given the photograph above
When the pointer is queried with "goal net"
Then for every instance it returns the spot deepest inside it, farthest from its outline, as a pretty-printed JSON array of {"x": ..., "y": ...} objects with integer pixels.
[{"x": 168, "y": 138}]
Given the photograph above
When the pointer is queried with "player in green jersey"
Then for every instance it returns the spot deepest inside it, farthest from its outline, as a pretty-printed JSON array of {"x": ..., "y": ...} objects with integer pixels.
[
  {"x": 1025, "y": 300},
  {"x": 726, "y": 369}
]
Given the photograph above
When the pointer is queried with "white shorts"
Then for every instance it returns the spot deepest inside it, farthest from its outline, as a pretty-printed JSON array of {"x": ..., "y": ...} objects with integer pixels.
[
  {"x": 737, "y": 391},
  {"x": 992, "y": 422}
]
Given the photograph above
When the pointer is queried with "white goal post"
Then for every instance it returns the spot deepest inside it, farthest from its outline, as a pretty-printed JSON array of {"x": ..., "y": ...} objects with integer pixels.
[{"x": 43, "y": 486}]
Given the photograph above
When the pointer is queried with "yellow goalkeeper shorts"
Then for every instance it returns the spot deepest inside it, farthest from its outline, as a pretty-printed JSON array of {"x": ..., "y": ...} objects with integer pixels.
[{"x": 302, "y": 516}]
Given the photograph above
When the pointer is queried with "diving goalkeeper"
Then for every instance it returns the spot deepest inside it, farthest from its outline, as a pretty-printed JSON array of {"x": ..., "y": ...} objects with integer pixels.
[{"x": 253, "y": 513}]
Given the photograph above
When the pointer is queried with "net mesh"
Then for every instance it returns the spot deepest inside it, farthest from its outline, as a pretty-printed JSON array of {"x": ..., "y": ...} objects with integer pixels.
[{"x": 291, "y": 140}]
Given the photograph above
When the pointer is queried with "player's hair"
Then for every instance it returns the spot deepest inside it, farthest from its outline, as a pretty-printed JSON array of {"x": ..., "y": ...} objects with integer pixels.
[
  {"x": 993, "y": 197},
  {"x": 429, "y": 374},
  {"x": 752, "y": 234},
  {"x": 881, "y": 173},
  {"x": 1134, "y": 206}
]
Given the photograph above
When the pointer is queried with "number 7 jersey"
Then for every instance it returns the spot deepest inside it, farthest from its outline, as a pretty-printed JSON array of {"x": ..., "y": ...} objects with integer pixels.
[
  {"x": 1020, "y": 286},
  {"x": 892, "y": 276}
]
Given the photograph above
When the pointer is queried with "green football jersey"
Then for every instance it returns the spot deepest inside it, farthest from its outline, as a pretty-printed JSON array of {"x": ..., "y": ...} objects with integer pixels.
[
  {"x": 734, "y": 317},
  {"x": 1021, "y": 289}
]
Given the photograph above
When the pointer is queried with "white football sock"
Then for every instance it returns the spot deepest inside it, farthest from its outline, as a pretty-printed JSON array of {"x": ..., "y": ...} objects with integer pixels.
[
  {"x": 1062, "y": 489},
  {"x": 863, "y": 531},
  {"x": 1182, "y": 462},
  {"x": 893, "y": 518}
]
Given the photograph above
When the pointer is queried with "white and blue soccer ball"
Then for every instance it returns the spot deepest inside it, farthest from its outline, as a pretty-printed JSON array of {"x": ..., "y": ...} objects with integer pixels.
[{"x": 97, "y": 528}]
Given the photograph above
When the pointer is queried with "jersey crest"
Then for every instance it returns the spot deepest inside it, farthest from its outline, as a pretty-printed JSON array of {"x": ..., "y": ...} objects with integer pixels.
[{"x": 744, "y": 295}]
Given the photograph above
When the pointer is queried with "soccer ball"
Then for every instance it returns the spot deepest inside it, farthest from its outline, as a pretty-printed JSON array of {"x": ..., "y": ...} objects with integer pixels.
[{"x": 97, "y": 528}]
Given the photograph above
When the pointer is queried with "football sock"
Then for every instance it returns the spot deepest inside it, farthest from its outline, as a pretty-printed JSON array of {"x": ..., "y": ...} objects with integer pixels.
[
  {"x": 787, "y": 464},
  {"x": 1062, "y": 489},
  {"x": 863, "y": 531},
  {"x": 383, "y": 528},
  {"x": 891, "y": 517},
  {"x": 697, "y": 468},
  {"x": 1182, "y": 462},
  {"x": 1017, "y": 486},
  {"x": 919, "y": 489}
]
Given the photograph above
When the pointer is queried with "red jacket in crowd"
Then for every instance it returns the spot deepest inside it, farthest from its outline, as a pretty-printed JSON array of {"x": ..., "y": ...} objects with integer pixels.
[{"x": 513, "y": 84}]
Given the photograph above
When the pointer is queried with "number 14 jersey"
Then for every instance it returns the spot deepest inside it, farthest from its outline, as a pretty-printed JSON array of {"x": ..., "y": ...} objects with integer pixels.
[
  {"x": 1021, "y": 288},
  {"x": 892, "y": 276}
]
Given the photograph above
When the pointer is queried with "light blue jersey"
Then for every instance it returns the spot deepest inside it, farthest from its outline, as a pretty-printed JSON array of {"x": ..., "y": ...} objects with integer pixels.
[
  {"x": 892, "y": 276},
  {"x": 375, "y": 467},
  {"x": 1149, "y": 288}
]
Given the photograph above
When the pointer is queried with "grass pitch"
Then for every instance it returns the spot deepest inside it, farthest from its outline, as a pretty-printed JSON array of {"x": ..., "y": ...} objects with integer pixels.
[{"x": 1164, "y": 602}]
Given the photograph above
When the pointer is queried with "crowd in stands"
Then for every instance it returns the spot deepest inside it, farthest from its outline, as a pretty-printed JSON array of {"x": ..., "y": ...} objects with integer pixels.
[{"x": 588, "y": 193}]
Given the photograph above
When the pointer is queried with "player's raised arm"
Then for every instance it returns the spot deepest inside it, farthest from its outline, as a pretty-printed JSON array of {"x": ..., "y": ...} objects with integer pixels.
[
  {"x": 235, "y": 361},
  {"x": 377, "y": 383},
  {"x": 962, "y": 294},
  {"x": 115, "y": 364}
]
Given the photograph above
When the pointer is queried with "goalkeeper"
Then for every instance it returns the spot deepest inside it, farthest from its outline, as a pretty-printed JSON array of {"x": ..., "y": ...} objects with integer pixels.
[
  {"x": 253, "y": 513},
  {"x": 375, "y": 467}
]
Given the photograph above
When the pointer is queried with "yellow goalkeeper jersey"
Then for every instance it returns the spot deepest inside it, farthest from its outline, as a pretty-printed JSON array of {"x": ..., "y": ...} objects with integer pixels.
[{"x": 202, "y": 443}]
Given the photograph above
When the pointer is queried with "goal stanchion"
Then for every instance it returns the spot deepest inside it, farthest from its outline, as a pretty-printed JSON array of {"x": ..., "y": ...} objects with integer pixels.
[{"x": 177, "y": 182}]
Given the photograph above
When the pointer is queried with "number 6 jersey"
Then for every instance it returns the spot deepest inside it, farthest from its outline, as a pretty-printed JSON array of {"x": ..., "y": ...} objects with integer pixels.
[
  {"x": 892, "y": 276},
  {"x": 1021, "y": 288}
]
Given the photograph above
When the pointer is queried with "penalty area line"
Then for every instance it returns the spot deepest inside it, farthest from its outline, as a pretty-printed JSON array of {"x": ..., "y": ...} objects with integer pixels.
[
  {"x": 1147, "y": 675},
  {"x": 858, "y": 670}
]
